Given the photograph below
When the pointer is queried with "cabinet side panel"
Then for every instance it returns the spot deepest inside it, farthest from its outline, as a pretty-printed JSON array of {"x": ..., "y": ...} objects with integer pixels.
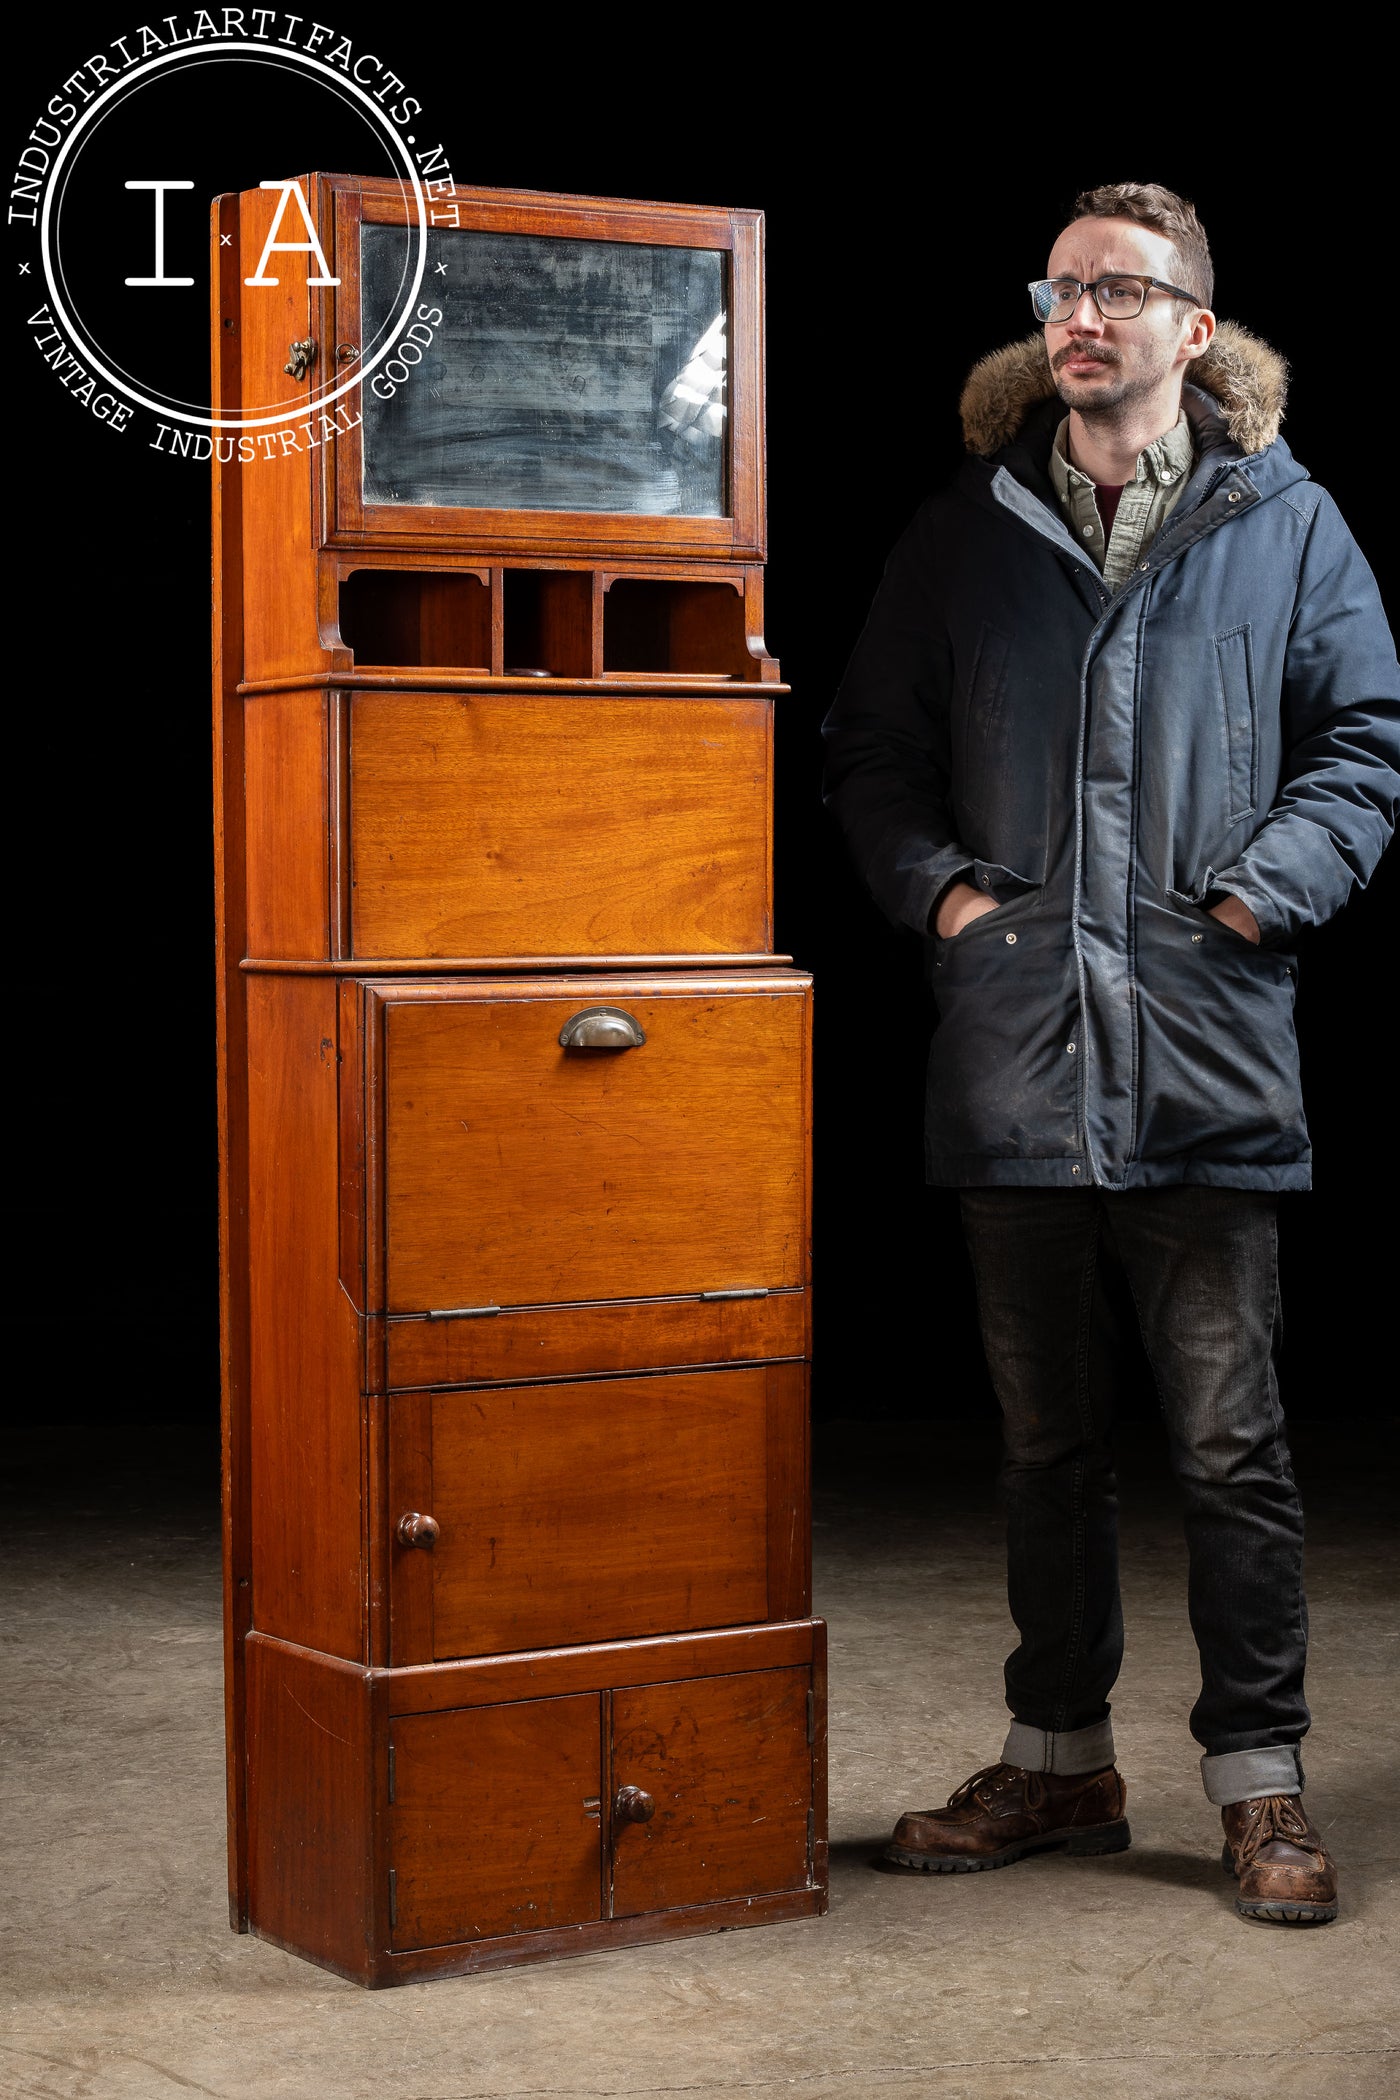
[
  {"x": 285, "y": 770},
  {"x": 308, "y": 1805},
  {"x": 307, "y": 1499},
  {"x": 230, "y": 942},
  {"x": 280, "y": 634}
]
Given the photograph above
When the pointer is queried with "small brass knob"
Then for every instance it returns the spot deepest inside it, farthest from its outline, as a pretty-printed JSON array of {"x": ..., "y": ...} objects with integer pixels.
[
  {"x": 631, "y": 1805},
  {"x": 417, "y": 1530}
]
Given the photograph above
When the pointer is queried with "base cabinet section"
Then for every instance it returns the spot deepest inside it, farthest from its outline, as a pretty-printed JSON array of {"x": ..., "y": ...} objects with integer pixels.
[{"x": 539, "y": 1805}]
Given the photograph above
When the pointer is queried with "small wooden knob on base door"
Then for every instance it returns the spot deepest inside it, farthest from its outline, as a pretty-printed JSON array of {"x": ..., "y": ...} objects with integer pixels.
[
  {"x": 416, "y": 1530},
  {"x": 631, "y": 1805}
]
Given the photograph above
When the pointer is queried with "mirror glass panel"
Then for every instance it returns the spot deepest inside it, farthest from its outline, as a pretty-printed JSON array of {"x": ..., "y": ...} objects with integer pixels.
[{"x": 546, "y": 374}]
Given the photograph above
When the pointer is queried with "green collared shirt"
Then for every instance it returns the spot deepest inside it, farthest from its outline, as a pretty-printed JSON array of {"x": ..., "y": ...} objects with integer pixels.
[{"x": 1146, "y": 503}]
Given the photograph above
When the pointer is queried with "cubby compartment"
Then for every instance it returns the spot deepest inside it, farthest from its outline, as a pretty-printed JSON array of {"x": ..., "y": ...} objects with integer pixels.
[
  {"x": 548, "y": 617},
  {"x": 655, "y": 627},
  {"x": 417, "y": 617}
]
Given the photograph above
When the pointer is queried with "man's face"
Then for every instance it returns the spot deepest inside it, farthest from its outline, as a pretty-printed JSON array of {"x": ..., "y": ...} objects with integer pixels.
[{"x": 1100, "y": 367}]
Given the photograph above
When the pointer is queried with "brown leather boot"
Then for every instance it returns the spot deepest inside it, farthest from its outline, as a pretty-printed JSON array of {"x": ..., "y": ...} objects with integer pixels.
[
  {"x": 1004, "y": 1812},
  {"x": 1278, "y": 1857}
]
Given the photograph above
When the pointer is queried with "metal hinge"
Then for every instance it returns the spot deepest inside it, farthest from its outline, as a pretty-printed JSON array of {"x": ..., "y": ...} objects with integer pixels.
[
  {"x": 811, "y": 1838},
  {"x": 394, "y": 1890},
  {"x": 391, "y": 1761},
  {"x": 811, "y": 1732},
  {"x": 709, "y": 1297}
]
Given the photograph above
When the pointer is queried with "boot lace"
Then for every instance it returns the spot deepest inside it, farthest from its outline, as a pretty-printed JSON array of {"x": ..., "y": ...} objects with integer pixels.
[
  {"x": 1277, "y": 1816},
  {"x": 993, "y": 1780}
]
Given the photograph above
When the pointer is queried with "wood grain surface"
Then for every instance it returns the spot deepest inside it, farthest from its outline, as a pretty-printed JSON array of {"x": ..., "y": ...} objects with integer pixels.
[
  {"x": 309, "y": 1809},
  {"x": 728, "y": 1763},
  {"x": 306, "y": 1471},
  {"x": 595, "y": 1511},
  {"x": 518, "y": 1172},
  {"x": 639, "y": 1334},
  {"x": 496, "y": 1820},
  {"x": 511, "y": 824}
]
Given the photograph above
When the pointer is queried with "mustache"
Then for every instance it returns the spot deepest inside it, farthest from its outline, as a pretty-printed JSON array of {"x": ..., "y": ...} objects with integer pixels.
[{"x": 1092, "y": 353}]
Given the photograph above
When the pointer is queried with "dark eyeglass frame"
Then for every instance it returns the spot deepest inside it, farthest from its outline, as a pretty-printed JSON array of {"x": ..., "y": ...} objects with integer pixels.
[{"x": 1149, "y": 284}]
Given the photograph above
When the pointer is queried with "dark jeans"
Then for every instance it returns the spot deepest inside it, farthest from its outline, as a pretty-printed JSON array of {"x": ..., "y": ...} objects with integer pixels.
[{"x": 1202, "y": 1265}]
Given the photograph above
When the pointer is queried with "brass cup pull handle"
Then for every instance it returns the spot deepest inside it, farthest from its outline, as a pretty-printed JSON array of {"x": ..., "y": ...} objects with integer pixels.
[
  {"x": 416, "y": 1530},
  {"x": 602, "y": 1028},
  {"x": 631, "y": 1805}
]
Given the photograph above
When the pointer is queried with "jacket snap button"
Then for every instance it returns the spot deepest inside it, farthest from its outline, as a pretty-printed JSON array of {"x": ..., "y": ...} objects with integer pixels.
[
  {"x": 1011, "y": 940},
  {"x": 1070, "y": 1049},
  {"x": 1198, "y": 936},
  {"x": 1088, "y": 532},
  {"x": 986, "y": 882},
  {"x": 1142, "y": 565},
  {"x": 1235, "y": 496},
  {"x": 1074, "y": 1170}
]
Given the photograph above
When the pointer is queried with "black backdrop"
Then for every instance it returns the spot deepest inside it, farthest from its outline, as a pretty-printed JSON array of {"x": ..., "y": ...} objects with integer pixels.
[{"x": 897, "y": 250}]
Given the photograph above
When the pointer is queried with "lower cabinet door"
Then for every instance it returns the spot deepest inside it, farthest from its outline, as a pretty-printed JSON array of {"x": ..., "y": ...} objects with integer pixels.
[
  {"x": 598, "y": 1510},
  {"x": 496, "y": 1821},
  {"x": 724, "y": 1764}
]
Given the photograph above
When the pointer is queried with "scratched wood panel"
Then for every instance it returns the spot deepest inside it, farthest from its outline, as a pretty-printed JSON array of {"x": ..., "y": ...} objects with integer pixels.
[
  {"x": 496, "y": 1824},
  {"x": 727, "y": 1762}
]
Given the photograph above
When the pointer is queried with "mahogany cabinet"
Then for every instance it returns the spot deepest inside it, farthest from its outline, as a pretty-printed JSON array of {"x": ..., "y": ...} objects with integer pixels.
[{"x": 514, "y": 1092}]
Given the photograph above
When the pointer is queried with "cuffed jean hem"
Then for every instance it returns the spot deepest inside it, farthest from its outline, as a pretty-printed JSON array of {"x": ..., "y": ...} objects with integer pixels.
[
  {"x": 1071, "y": 1752},
  {"x": 1241, "y": 1775}
]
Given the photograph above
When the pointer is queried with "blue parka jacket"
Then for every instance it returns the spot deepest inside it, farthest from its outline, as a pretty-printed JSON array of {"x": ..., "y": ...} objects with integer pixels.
[{"x": 1107, "y": 765}]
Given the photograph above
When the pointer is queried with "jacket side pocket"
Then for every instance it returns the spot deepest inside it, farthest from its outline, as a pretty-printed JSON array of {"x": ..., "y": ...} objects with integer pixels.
[
  {"x": 1234, "y": 659},
  {"x": 982, "y": 735}
]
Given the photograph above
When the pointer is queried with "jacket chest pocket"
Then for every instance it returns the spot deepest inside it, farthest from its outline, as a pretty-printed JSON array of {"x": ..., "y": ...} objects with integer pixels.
[
  {"x": 983, "y": 723},
  {"x": 1234, "y": 659}
]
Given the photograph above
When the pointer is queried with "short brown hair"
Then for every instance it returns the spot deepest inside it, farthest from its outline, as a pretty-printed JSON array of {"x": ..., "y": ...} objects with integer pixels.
[{"x": 1165, "y": 213}]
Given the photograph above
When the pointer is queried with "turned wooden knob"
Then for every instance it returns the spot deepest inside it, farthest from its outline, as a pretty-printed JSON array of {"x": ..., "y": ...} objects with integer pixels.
[
  {"x": 631, "y": 1805},
  {"x": 417, "y": 1530}
]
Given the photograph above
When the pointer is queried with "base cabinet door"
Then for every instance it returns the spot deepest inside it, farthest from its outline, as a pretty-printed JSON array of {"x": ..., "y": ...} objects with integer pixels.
[
  {"x": 520, "y": 1818},
  {"x": 496, "y": 1821},
  {"x": 725, "y": 1766}
]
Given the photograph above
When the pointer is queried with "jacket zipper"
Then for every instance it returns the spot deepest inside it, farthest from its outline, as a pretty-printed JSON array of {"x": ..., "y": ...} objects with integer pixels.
[{"x": 1109, "y": 602}]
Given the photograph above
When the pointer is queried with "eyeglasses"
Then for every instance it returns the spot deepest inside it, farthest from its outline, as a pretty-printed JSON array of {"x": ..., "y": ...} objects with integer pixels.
[{"x": 1117, "y": 298}]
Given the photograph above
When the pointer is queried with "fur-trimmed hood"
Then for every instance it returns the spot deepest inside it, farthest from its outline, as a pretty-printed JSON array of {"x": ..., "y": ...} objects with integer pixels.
[{"x": 1246, "y": 378}]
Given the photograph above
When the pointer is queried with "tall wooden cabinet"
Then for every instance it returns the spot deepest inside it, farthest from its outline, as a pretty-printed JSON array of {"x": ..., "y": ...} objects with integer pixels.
[{"x": 514, "y": 1093}]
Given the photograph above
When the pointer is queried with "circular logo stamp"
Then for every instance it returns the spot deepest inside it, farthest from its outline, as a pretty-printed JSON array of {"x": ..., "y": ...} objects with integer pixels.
[{"x": 110, "y": 198}]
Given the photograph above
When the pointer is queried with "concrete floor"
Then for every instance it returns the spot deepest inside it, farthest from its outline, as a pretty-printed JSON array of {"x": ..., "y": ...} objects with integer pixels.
[{"x": 1052, "y": 1980}]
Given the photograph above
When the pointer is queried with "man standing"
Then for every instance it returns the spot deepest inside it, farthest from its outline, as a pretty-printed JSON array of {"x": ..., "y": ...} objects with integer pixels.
[{"x": 1125, "y": 718}]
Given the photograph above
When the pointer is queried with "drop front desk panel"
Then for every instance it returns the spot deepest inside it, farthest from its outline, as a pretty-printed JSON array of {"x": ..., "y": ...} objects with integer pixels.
[{"x": 515, "y": 1195}]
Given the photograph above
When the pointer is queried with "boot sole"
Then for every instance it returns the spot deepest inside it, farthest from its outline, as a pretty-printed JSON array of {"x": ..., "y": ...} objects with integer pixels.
[
  {"x": 1279, "y": 1913},
  {"x": 1080, "y": 1844}
]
